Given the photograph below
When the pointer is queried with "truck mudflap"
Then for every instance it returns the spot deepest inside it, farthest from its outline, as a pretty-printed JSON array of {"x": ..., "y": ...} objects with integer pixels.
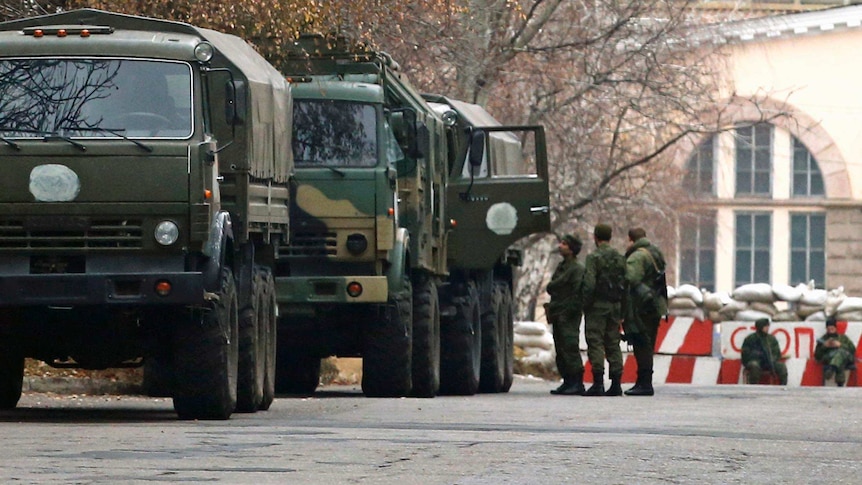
[
  {"x": 332, "y": 289},
  {"x": 102, "y": 289}
]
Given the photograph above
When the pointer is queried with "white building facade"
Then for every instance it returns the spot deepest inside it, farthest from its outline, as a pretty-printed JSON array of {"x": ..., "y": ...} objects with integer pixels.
[{"x": 781, "y": 202}]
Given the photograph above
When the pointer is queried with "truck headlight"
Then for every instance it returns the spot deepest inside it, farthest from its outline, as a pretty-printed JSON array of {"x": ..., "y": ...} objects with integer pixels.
[
  {"x": 356, "y": 244},
  {"x": 166, "y": 233},
  {"x": 204, "y": 52}
]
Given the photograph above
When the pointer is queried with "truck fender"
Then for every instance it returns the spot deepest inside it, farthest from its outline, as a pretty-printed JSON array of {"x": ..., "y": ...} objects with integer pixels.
[
  {"x": 217, "y": 250},
  {"x": 398, "y": 258}
]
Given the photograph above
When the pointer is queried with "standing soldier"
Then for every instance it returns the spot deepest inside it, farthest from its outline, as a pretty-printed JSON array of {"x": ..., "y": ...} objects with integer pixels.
[
  {"x": 564, "y": 314},
  {"x": 646, "y": 304},
  {"x": 604, "y": 286}
]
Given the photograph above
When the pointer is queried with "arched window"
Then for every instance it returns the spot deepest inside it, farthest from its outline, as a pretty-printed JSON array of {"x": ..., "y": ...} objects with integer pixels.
[
  {"x": 807, "y": 179},
  {"x": 699, "y": 175},
  {"x": 754, "y": 160}
]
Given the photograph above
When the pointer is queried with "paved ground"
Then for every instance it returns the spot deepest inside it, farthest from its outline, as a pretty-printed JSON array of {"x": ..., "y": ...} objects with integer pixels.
[{"x": 685, "y": 434}]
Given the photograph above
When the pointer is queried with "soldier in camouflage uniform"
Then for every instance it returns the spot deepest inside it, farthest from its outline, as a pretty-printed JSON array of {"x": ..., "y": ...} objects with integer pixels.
[
  {"x": 604, "y": 287},
  {"x": 564, "y": 313},
  {"x": 835, "y": 352},
  {"x": 760, "y": 352},
  {"x": 646, "y": 303}
]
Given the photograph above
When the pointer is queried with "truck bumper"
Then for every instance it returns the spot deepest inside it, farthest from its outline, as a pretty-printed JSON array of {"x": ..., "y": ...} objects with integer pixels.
[
  {"x": 100, "y": 289},
  {"x": 331, "y": 289}
]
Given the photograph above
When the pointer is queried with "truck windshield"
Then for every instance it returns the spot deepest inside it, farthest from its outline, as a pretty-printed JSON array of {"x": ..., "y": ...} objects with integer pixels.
[
  {"x": 95, "y": 98},
  {"x": 334, "y": 134}
]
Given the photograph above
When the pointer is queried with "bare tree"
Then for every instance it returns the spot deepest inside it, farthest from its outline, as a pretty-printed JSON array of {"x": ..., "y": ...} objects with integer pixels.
[{"x": 617, "y": 84}]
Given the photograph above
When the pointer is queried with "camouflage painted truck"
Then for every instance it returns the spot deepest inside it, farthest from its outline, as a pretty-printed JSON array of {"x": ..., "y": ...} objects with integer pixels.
[
  {"x": 404, "y": 209},
  {"x": 144, "y": 191}
]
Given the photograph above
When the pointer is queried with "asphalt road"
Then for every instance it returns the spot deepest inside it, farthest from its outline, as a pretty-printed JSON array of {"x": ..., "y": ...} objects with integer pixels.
[{"x": 685, "y": 434}]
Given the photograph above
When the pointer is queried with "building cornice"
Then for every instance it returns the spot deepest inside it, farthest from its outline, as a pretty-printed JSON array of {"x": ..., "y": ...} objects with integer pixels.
[{"x": 809, "y": 23}]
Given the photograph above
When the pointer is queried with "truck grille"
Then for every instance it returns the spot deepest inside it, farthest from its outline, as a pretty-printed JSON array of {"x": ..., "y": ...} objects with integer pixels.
[
  {"x": 308, "y": 243},
  {"x": 70, "y": 233}
]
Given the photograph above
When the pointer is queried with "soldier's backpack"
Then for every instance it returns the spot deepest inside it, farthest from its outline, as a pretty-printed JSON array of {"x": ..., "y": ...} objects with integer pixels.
[
  {"x": 611, "y": 277},
  {"x": 659, "y": 282}
]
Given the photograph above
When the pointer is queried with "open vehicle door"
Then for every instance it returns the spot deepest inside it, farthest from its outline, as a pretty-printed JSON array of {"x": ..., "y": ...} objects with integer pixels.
[{"x": 500, "y": 195}]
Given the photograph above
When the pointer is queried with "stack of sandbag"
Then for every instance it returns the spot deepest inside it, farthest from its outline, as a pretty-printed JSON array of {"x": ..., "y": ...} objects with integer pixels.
[
  {"x": 779, "y": 303},
  {"x": 537, "y": 343},
  {"x": 850, "y": 309},
  {"x": 687, "y": 301}
]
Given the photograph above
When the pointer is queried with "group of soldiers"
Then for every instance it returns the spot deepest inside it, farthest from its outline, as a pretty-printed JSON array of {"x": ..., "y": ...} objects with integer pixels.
[
  {"x": 761, "y": 354},
  {"x": 610, "y": 290}
]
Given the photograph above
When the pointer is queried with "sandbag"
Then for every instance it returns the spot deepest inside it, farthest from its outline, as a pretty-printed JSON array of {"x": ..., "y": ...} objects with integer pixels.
[
  {"x": 671, "y": 292},
  {"x": 715, "y": 301},
  {"x": 813, "y": 297},
  {"x": 816, "y": 317},
  {"x": 681, "y": 303},
  {"x": 754, "y": 292},
  {"x": 764, "y": 307},
  {"x": 544, "y": 358},
  {"x": 750, "y": 316},
  {"x": 849, "y": 316},
  {"x": 787, "y": 293},
  {"x": 696, "y": 313},
  {"x": 833, "y": 300},
  {"x": 804, "y": 310},
  {"x": 850, "y": 304},
  {"x": 715, "y": 317},
  {"x": 530, "y": 328},
  {"x": 544, "y": 342},
  {"x": 689, "y": 291},
  {"x": 785, "y": 316}
]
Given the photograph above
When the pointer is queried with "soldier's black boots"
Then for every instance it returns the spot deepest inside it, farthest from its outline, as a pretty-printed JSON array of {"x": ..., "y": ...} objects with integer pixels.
[
  {"x": 598, "y": 387},
  {"x": 571, "y": 387},
  {"x": 643, "y": 386},
  {"x": 615, "y": 389}
]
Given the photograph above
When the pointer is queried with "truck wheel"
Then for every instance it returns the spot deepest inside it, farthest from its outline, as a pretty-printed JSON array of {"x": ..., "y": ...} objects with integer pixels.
[
  {"x": 461, "y": 346},
  {"x": 387, "y": 351},
  {"x": 507, "y": 323},
  {"x": 11, "y": 377},
  {"x": 158, "y": 376},
  {"x": 297, "y": 372},
  {"x": 206, "y": 357},
  {"x": 268, "y": 324},
  {"x": 426, "y": 338},
  {"x": 493, "y": 343},
  {"x": 249, "y": 383}
]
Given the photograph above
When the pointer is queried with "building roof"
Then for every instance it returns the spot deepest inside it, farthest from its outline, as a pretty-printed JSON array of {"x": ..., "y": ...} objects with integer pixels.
[{"x": 790, "y": 25}]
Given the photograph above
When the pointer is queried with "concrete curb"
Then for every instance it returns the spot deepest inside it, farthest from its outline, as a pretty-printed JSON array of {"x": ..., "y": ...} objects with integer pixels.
[{"x": 78, "y": 385}]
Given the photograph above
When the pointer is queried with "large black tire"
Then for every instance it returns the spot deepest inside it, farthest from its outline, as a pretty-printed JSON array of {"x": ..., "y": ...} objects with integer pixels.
[
  {"x": 252, "y": 350},
  {"x": 387, "y": 352},
  {"x": 11, "y": 377},
  {"x": 206, "y": 354},
  {"x": 426, "y": 337},
  {"x": 158, "y": 378},
  {"x": 269, "y": 324},
  {"x": 461, "y": 346},
  {"x": 297, "y": 372},
  {"x": 507, "y": 324},
  {"x": 493, "y": 343}
]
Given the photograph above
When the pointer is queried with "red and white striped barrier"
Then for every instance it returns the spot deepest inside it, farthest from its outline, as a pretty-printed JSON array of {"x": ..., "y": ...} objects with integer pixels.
[
  {"x": 677, "y": 336},
  {"x": 684, "y": 336},
  {"x": 669, "y": 369}
]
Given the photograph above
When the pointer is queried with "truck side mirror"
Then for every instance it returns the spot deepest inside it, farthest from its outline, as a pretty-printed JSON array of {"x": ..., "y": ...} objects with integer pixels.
[
  {"x": 412, "y": 136},
  {"x": 477, "y": 148},
  {"x": 235, "y": 102}
]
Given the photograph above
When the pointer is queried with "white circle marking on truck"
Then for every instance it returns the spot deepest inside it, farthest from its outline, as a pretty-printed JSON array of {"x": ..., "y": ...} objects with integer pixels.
[
  {"x": 54, "y": 183},
  {"x": 502, "y": 218}
]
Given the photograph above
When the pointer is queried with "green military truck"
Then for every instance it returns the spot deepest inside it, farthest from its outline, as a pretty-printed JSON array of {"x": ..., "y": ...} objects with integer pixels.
[
  {"x": 144, "y": 193},
  {"x": 403, "y": 211}
]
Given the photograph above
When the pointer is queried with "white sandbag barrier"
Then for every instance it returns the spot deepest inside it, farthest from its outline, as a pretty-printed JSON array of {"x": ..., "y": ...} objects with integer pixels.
[{"x": 700, "y": 341}]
